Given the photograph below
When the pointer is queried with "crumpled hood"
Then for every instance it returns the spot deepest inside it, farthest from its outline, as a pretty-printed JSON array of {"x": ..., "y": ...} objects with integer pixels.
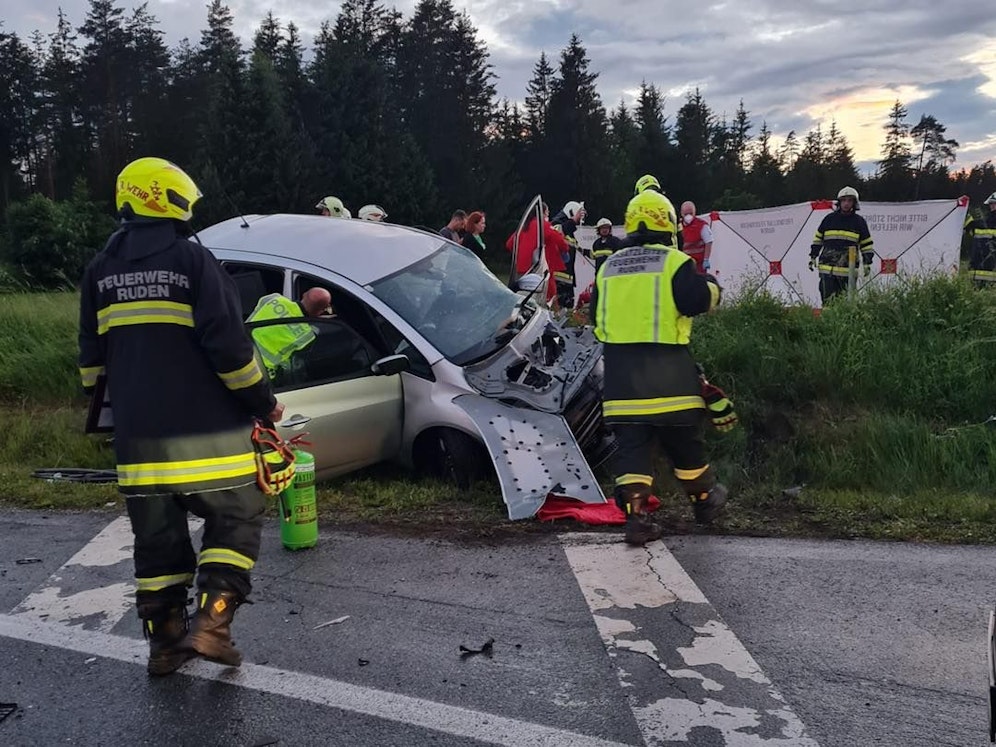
[{"x": 542, "y": 367}]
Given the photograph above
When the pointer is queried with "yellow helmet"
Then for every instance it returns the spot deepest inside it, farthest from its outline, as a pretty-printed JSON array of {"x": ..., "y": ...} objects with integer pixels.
[
  {"x": 650, "y": 213},
  {"x": 156, "y": 188},
  {"x": 645, "y": 182}
]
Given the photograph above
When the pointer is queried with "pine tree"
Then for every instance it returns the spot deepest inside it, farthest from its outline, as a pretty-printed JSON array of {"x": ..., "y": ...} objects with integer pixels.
[
  {"x": 840, "y": 170},
  {"x": 577, "y": 134},
  {"x": 538, "y": 92},
  {"x": 64, "y": 146},
  {"x": 106, "y": 81},
  {"x": 894, "y": 180},
  {"x": 693, "y": 132},
  {"x": 935, "y": 153},
  {"x": 626, "y": 142},
  {"x": 148, "y": 60},
  {"x": 268, "y": 38},
  {"x": 18, "y": 107},
  {"x": 222, "y": 132},
  {"x": 765, "y": 178},
  {"x": 447, "y": 96}
]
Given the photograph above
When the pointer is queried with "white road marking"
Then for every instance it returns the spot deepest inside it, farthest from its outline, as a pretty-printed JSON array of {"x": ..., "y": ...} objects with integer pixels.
[
  {"x": 103, "y": 606},
  {"x": 404, "y": 709},
  {"x": 615, "y": 577}
]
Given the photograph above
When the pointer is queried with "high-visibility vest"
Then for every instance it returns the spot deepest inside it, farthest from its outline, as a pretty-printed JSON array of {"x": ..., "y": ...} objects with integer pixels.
[
  {"x": 277, "y": 343},
  {"x": 635, "y": 298}
]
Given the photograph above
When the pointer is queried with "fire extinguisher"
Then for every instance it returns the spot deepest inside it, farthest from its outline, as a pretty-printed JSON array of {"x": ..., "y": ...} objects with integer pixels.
[{"x": 298, "y": 506}]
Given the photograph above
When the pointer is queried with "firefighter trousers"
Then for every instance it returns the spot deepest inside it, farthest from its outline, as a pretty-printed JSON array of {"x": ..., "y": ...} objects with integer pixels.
[
  {"x": 831, "y": 285},
  {"x": 684, "y": 446},
  {"x": 164, "y": 555}
]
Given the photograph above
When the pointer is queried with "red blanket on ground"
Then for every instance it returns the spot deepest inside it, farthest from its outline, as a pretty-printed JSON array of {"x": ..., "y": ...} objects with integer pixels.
[{"x": 557, "y": 507}]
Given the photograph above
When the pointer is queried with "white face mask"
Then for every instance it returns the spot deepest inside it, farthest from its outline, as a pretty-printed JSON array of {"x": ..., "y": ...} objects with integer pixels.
[{"x": 687, "y": 218}]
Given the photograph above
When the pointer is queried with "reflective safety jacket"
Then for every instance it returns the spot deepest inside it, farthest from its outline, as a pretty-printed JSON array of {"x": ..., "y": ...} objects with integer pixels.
[
  {"x": 693, "y": 241},
  {"x": 647, "y": 296},
  {"x": 982, "y": 261},
  {"x": 837, "y": 233},
  {"x": 278, "y": 343},
  {"x": 162, "y": 320}
]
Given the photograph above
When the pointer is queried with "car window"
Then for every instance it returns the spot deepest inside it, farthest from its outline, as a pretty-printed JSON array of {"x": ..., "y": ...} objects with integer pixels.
[
  {"x": 310, "y": 352},
  {"x": 368, "y": 322},
  {"x": 254, "y": 282},
  {"x": 454, "y": 301}
]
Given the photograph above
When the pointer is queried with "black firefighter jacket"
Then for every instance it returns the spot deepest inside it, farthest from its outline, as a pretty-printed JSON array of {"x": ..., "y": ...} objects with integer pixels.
[{"x": 162, "y": 320}]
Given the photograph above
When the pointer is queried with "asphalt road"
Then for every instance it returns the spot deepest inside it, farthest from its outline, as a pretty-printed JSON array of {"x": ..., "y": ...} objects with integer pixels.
[{"x": 698, "y": 640}]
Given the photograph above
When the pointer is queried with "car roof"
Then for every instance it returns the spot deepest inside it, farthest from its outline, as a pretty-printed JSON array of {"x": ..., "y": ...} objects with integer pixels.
[{"x": 361, "y": 250}]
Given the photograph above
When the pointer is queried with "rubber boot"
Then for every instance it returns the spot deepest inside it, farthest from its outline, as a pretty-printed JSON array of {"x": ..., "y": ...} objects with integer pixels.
[
  {"x": 707, "y": 506},
  {"x": 164, "y": 625},
  {"x": 210, "y": 632},
  {"x": 640, "y": 529}
]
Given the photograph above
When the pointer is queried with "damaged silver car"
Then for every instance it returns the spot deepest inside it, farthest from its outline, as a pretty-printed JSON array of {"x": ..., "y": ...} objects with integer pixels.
[{"x": 425, "y": 358}]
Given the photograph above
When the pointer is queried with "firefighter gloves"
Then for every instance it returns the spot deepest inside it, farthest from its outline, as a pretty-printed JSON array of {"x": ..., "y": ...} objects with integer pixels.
[{"x": 721, "y": 411}]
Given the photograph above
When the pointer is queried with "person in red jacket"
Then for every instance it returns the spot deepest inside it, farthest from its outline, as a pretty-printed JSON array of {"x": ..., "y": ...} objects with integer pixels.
[
  {"x": 696, "y": 237},
  {"x": 554, "y": 246}
]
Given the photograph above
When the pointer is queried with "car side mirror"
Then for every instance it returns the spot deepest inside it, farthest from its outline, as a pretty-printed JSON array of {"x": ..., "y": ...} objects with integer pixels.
[{"x": 391, "y": 365}]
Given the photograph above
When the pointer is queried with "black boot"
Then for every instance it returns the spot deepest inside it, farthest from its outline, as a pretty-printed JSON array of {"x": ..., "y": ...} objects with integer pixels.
[
  {"x": 210, "y": 632},
  {"x": 164, "y": 625},
  {"x": 640, "y": 528},
  {"x": 707, "y": 506}
]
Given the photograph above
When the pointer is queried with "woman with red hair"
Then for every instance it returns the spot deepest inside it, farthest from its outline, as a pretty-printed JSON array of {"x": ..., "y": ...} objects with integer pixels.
[{"x": 474, "y": 228}]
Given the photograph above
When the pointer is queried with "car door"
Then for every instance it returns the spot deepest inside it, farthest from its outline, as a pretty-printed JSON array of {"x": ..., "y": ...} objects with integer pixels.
[
  {"x": 352, "y": 415},
  {"x": 531, "y": 240}
]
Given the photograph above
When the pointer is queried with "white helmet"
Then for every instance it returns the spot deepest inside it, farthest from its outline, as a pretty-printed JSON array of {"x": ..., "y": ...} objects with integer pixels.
[
  {"x": 372, "y": 212},
  {"x": 334, "y": 206},
  {"x": 575, "y": 211},
  {"x": 849, "y": 192},
  {"x": 603, "y": 222},
  {"x": 990, "y": 200}
]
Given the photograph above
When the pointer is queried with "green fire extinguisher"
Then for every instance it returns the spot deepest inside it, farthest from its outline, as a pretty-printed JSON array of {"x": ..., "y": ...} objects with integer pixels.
[{"x": 298, "y": 508}]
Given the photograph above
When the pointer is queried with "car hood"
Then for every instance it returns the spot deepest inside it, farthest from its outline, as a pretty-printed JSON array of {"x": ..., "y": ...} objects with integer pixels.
[{"x": 542, "y": 367}]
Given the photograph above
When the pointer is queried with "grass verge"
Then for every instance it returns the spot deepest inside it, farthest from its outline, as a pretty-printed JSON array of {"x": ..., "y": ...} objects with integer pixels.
[{"x": 869, "y": 421}]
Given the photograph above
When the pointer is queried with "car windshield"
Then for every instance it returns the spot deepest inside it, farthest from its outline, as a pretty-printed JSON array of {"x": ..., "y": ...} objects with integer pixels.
[{"x": 454, "y": 301}]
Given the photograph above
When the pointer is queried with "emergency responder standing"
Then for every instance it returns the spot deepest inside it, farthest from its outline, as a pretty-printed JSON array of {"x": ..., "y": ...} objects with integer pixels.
[
  {"x": 372, "y": 212},
  {"x": 697, "y": 237},
  {"x": 567, "y": 221},
  {"x": 333, "y": 207},
  {"x": 606, "y": 244},
  {"x": 842, "y": 233},
  {"x": 647, "y": 296},
  {"x": 982, "y": 261},
  {"x": 161, "y": 320},
  {"x": 278, "y": 342}
]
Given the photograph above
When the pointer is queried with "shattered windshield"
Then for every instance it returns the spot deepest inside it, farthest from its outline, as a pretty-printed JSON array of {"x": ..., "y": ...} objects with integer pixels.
[{"x": 454, "y": 301}]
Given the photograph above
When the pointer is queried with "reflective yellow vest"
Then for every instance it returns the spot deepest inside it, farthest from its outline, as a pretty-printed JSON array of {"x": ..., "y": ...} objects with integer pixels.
[
  {"x": 635, "y": 298},
  {"x": 279, "y": 342}
]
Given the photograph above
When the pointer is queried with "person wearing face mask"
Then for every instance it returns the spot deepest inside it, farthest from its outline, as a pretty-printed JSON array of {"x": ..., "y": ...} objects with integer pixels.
[{"x": 697, "y": 237}]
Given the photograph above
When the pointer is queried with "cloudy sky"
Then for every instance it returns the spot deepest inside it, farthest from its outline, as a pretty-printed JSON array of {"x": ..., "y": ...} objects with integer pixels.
[{"x": 794, "y": 63}]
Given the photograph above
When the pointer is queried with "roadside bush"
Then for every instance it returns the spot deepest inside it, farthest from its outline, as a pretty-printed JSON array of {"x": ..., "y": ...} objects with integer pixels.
[{"x": 48, "y": 244}]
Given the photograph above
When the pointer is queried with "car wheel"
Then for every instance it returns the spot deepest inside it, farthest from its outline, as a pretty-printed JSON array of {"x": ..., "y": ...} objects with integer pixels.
[{"x": 455, "y": 457}]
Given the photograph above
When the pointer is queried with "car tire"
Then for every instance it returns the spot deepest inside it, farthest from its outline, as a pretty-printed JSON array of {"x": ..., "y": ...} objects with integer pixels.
[{"x": 455, "y": 457}]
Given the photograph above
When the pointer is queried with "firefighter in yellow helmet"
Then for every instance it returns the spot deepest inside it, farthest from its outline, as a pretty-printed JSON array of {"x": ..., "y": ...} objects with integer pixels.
[
  {"x": 647, "y": 294},
  {"x": 982, "y": 260},
  {"x": 161, "y": 324},
  {"x": 840, "y": 232},
  {"x": 332, "y": 207}
]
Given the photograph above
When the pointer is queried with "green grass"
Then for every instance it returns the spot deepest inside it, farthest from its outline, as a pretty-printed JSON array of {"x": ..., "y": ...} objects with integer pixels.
[{"x": 874, "y": 413}]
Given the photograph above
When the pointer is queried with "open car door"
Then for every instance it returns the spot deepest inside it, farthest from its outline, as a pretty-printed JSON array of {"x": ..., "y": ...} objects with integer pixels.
[{"x": 528, "y": 238}]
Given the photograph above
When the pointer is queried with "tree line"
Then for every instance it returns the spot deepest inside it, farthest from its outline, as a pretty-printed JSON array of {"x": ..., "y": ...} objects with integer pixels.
[{"x": 402, "y": 112}]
